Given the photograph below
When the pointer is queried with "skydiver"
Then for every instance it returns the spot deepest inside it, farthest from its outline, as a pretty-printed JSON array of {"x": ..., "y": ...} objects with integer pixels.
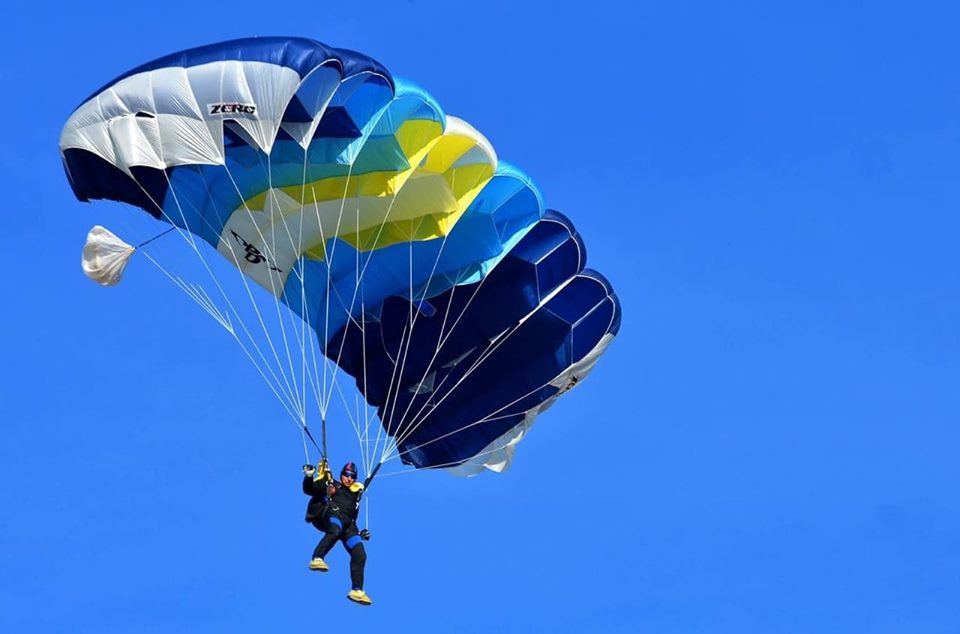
[{"x": 333, "y": 510}]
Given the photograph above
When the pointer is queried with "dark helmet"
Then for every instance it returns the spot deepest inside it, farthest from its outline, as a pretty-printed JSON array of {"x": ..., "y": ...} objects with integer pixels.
[{"x": 349, "y": 469}]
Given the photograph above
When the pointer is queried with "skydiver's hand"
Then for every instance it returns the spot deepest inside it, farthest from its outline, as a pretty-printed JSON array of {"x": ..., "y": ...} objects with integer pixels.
[
  {"x": 365, "y": 535},
  {"x": 308, "y": 470}
]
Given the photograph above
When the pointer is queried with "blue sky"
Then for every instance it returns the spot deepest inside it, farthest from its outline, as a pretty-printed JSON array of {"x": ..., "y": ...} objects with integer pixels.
[{"x": 769, "y": 446}]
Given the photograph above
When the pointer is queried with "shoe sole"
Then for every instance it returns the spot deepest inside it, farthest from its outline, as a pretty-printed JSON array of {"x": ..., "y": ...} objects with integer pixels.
[
  {"x": 319, "y": 569},
  {"x": 359, "y": 602}
]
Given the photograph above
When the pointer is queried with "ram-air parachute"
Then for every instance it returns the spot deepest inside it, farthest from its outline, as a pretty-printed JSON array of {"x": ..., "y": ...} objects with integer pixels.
[{"x": 415, "y": 259}]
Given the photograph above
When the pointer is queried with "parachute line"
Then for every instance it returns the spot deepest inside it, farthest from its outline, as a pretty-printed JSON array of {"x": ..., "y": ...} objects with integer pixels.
[
  {"x": 190, "y": 242},
  {"x": 288, "y": 391}
]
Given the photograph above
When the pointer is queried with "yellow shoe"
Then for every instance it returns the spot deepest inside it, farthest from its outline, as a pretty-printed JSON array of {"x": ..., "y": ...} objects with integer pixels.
[
  {"x": 359, "y": 596},
  {"x": 318, "y": 564}
]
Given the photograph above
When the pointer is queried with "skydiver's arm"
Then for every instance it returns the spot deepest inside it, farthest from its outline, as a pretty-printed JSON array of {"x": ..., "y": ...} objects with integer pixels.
[
  {"x": 308, "y": 473},
  {"x": 309, "y": 487},
  {"x": 315, "y": 481}
]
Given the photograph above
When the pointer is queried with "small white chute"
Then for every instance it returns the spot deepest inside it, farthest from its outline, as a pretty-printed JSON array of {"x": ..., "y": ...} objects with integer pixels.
[{"x": 105, "y": 256}]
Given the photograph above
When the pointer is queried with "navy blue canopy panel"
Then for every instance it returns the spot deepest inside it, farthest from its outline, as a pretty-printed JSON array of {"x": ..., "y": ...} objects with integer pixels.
[
  {"x": 300, "y": 54},
  {"x": 482, "y": 360}
]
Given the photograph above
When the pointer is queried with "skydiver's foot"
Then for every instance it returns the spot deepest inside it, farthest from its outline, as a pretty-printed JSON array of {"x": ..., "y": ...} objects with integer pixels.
[
  {"x": 319, "y": 564},
  {"x": 359, "y": 596}
]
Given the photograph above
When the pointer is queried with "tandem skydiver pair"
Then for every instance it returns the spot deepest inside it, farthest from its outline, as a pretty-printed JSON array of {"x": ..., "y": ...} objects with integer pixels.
[{"x": 333, "y": 509}]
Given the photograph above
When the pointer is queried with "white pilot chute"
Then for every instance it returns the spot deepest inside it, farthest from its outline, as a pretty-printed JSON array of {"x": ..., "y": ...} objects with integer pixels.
[{"x": 105, "y": 256}]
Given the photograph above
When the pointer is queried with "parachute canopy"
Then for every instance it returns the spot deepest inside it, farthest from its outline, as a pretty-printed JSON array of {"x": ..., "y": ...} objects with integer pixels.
[{"x": 426, "y": 267}]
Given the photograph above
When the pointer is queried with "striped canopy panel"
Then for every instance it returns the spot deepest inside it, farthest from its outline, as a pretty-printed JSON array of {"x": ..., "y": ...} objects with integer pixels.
[{"x": 351, "y": 197}]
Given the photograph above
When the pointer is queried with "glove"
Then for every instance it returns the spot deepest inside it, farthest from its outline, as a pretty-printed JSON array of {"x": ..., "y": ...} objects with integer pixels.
[
  {"x": 365, "y": 535},
  {"x": 308, "y": 470}
]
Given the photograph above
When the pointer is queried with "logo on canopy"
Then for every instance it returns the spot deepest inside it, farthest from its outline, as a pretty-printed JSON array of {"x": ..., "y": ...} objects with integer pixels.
[
  {"x": 253, "y": 255},
  {"x": 232, "y": 109}
]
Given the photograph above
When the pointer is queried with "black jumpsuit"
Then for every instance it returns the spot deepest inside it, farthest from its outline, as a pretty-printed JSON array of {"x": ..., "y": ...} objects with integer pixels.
[{"x": 334, "y": 513}]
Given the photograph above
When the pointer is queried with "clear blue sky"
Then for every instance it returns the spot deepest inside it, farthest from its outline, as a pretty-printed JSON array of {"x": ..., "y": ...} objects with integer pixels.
[{"x": 769, "y": 446}]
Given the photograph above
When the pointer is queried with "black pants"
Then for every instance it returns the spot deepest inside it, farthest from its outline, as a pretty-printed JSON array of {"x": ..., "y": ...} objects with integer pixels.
[{"x": 332, "y": 526}]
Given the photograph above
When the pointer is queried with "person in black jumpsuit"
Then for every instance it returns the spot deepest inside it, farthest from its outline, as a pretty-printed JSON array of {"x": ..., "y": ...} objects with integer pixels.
[{"x": 333, "y": 510}]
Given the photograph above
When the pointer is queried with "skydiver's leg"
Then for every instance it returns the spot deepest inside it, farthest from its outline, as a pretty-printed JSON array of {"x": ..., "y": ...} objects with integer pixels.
[
  {"x": 358, "y": 559},
  {"x": 332, "y": 527},
  {"x": 358, "y": 556}
]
